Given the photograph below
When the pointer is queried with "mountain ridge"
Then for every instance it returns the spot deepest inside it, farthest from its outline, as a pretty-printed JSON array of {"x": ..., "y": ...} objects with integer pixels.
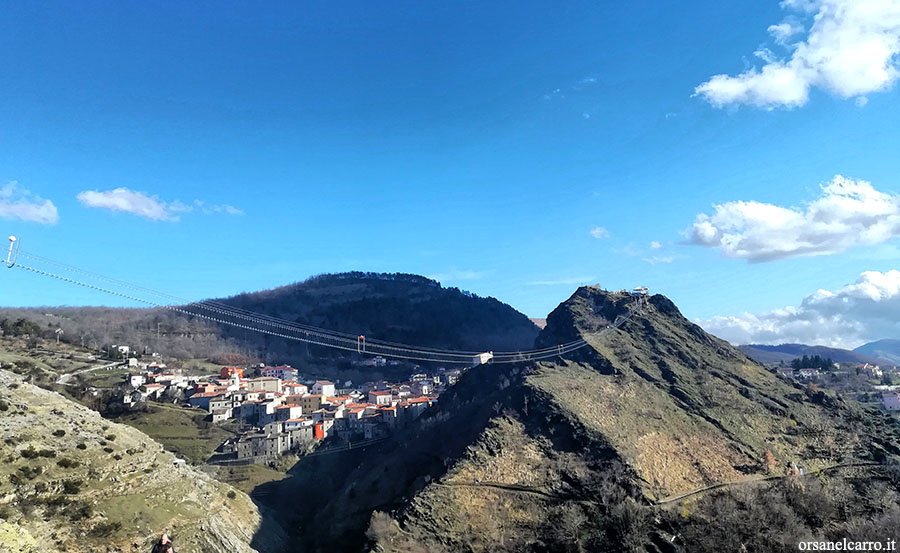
[
  {"x": 888, "y": 349},
  {"x": 785, "y": 353},
  {"x": 573, "y": 449}
]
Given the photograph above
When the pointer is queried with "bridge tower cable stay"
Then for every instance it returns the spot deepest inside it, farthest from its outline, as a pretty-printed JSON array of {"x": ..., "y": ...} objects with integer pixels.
[{"x": 225, "y": 314}]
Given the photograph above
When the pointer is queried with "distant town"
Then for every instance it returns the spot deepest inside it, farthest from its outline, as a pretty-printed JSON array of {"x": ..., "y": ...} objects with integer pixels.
[{"x": 865, "y": 382}]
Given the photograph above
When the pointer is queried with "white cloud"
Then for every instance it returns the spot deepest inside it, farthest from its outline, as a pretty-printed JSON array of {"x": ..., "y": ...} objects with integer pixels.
[
  {"x": 599, "y": 232},
  {"x": 861, "y": 101},
  {"x": 848, "y": 317},
  {"x": 848, "y": 213},
  {"x": 850, "y": 50},
  {"x": 18, "y": 203},
  {"x": 569, "y": 281},
  {"x": 656, "y": 245},
  {"x": 136, "y": 203},
  {"x": 147, "y": 206}
]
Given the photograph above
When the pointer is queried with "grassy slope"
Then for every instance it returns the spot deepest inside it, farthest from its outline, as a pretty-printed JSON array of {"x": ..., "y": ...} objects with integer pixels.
[
  {"x": 179, "y": 430},
  {"x": 122, "y": 491}
]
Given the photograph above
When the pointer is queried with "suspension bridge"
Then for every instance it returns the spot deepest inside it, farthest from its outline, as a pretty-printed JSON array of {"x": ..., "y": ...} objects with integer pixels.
[{"x": 229, "y": 315}]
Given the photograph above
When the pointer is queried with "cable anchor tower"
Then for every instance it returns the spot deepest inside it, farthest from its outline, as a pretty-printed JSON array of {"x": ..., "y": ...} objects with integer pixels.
[{"x": 13, "y": 254}]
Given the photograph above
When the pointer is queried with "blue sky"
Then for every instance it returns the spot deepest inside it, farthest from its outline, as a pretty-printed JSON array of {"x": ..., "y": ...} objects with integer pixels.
[{"x": 480, "y": 143}]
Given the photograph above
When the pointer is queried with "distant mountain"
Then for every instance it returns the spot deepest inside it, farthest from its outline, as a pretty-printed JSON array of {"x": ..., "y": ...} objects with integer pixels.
[
  {"x": 762, "y": 353},
  {"x": 883, "y": 349},
  {"x": 398, "y": 307},
  {"x": 394, "y": 307}
]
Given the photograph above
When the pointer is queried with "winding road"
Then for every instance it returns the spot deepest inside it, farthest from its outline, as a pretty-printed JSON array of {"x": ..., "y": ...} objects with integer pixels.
[{"x": 65, "y": 379}]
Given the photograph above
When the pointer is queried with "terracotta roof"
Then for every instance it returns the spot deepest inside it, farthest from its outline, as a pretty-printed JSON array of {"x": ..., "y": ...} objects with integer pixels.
[{"x": 205, "y": 394}]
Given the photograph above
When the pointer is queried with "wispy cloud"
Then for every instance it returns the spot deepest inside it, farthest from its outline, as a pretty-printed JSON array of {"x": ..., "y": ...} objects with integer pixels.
[
  {"x": 568, "y": 281},
  {"x": 657, "y": 259},
  {"x": 17, "y": 202},
  {"x": 149, "y": 206},
  {"x": 599, "y": 232},
  {"x": 654, "y": 245},
  {"x": 851, "y": 49},
  {"x": 209, "y": 209},
  {"x": 849, "y": 213}
]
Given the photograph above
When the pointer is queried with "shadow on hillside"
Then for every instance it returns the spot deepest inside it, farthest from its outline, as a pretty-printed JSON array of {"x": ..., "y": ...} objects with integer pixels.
[{"x": 293, "y": 504}]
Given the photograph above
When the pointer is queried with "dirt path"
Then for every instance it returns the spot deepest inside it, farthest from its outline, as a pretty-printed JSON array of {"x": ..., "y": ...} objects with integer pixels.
[{"x": 705, "y": 489}]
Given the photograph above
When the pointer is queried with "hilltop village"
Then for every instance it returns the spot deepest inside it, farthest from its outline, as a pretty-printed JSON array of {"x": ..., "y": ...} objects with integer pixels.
[{"x": 278, "y": 411}]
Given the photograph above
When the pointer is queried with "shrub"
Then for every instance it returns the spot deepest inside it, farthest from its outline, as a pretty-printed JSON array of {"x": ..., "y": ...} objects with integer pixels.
[
  {"x": 67, "y": 463},
  {"x": 29, "y": 453},
  {"x": 231, "y": 494},
  {"x": 79, "y": 510},
  {"x": 81, "y": 446},
  {"x": 105, "y": 529},
  {"x": 6, "y": 512},
  {"x": 3, "y": 405},
  {"x": 111, "y": 437},
  {"x": 59, "y": 433},
  {"x": 72, "y": 487},
  {"x": 31, "y": 472},
  {"x": 108, "y": 449}
]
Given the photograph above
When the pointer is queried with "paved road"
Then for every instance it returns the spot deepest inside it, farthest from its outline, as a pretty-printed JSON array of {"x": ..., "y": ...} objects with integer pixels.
[{"x": 65, "y": 379}]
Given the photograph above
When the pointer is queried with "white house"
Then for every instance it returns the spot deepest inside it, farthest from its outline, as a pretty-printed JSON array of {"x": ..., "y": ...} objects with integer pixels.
[
  {"x": 382, "y": 397},
  {"x": 324, "y": 388},
  {"x": 284, "y": 372},
  {"x": 136, "y": 380},
  {"x": 292, "y": 388},
  {"x": 287, "y": 412},
  {"x": 891, "y": 401}
]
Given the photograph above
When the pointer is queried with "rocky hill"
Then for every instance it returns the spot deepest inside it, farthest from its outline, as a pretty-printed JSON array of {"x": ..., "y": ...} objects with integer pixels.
[
  {"x": 575, "y": 454},
  {"x": 73, "y": 481}
]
